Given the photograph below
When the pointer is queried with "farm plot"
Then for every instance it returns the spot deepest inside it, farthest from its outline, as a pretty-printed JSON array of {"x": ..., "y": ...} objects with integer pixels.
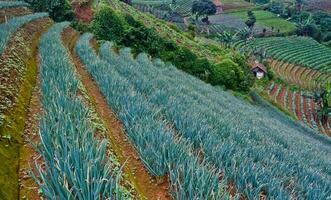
[
  {"x": 269, "y": 20},
  {"x": 299, "y": 51},
  {"x": 70, "y": 151},
  {"x": 302, "y": 76},
  {"x": 234, "y": 22},
  {"x": 235, "y": 5},
  {"x": 181, "y": 7},
  {"x": 157, "y": 13},
  {"x": 174, "y": 93},
  {"x": 299, "y": 104},
  {"x": 159, "y": 147},
  {"x": 319, "y": 5}
]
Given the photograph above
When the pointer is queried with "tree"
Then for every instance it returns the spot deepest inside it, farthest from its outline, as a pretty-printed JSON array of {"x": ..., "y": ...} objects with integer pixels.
[
  {"x": 59, "y": 10},
  {"x": 323, "y": 99},
  {"x": 308, "y": 27},
  {"x": 203, "y": 8},
  {"x": 107, "y": 25},
  {"x": 250, "y": 21},
  {"x": 233, "y": 73}
]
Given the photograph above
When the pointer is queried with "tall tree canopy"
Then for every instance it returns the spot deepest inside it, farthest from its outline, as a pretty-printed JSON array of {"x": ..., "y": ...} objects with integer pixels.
[
  {"x": 250, "y": 21},
  {"x": 203, "y": 8}
]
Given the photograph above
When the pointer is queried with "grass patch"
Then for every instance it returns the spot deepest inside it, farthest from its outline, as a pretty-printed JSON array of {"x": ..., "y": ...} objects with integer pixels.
[
  {"x": 269, "y": 20},
  {"x": 13, "y": 129}
]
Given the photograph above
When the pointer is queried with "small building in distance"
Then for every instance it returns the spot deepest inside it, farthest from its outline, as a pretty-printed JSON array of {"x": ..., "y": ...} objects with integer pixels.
[
  {"x": 258, "y": 69},
  {"x": 219, "y": 6}
]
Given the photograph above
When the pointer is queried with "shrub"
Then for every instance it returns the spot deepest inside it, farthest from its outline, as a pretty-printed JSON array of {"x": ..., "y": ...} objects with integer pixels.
[
  {"x": 107, "y": 25},
  {"x": 127, "y": 31},
  {"x": 224, "y": 73},
  {"x": 59, "y": 10}
]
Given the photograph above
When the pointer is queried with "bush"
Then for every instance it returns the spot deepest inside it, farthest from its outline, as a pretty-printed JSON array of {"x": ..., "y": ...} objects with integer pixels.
[
  {"x": 59, "y": 10},
  {"x": 107, "y": 25},
  {"x": 80, "y": 26},
  {"x": 225, "y": 73},
  {"x": 126, "y": 31}
]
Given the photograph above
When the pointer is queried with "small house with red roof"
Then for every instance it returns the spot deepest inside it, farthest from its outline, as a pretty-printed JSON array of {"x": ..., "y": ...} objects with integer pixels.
[
  {"x": 219, "y": 6},
  {"x": 258, "y": 69}
]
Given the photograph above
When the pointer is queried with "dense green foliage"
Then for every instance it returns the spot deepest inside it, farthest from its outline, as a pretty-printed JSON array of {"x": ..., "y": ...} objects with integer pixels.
[
  {"x": 323, "y": 97},
  {"x": 59, "y": 10},
  {"x": 314, "y": 24},
  {"x": 126, "y": 31},
  {"x": 203, "y": 8}
]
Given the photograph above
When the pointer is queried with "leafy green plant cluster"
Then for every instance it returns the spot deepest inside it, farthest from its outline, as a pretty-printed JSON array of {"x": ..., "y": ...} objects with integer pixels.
[
  {"x": 315, "y": 22},
  {"x": 75, "y": 162},
  {"x": 125, "y": 30},
  {"x": 59, "y": 10},
  {"x": 259, "y": 155}
]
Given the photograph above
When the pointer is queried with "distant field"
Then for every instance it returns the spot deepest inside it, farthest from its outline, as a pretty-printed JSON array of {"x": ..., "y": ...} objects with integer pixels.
[
  {"x": 296, "y": 50},
  {"x": 268, "y": 19},
  {"x": 234, "y": 22},
  {"x": 231, "y": 5},
  {"x": 319, "y": 5},
  {"x": 183, "y": 7}
]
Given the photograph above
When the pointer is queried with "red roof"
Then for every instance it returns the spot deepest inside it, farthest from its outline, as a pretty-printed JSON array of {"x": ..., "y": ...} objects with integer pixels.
[
  {"x": 217, "y": 3},
  {"x": 259, "y": 66}
]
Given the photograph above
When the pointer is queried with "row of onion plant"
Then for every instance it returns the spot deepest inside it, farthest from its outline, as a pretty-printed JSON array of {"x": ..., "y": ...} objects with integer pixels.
[
  {"x": 75, "y": 164},
  {"x": 12, "y": 4},
  {"x": 159, "y": 146},
  {"x": 9, "y": 28},
  {"x": 249, "y": 153}
]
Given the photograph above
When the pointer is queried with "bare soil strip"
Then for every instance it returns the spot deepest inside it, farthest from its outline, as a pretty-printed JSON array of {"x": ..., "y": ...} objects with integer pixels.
[
  {"x": 145, "y": 185},
  {"x": 21, "y": 51},
  {"x": 7, "y": 14}
]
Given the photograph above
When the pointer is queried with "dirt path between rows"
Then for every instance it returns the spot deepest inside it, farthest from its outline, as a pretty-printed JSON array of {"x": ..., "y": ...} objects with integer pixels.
[
  {"x": 28, "y": 155},
  {"x": 7, "y": 14},
  {"x": 18, "y": 78},
  {"x": 145, "y": 185}
]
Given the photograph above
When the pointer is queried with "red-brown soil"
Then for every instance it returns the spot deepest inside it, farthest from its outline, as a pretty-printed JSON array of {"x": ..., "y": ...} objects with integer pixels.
[
  {"x": 83, "y": 11},
  {"x": 6, "y": 14},
  {"x": 145, "y": 185}
]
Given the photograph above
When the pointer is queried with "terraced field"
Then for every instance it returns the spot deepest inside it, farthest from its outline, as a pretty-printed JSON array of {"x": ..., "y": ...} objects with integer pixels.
[
  {"x": 300, "y": 104},
  {"x": 302, "y": 76},
  {"x": 182, "y": 7},
  {"x": 108, "y": 125},
  {"x": 300, "y": 60},
  {"x": 269, "y": 20}
]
